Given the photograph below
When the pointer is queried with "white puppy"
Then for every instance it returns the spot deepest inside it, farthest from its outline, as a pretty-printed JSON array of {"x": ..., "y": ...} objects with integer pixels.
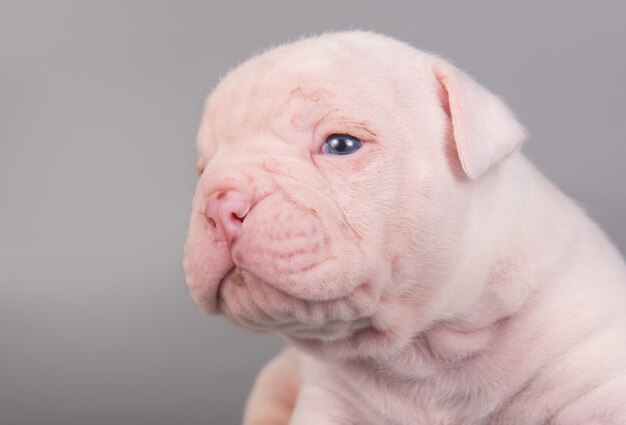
[{"x": 369, "y": 202}]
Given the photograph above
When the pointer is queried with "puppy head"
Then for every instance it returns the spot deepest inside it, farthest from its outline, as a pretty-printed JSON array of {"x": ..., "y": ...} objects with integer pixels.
[{"x": 333, "y": 190}]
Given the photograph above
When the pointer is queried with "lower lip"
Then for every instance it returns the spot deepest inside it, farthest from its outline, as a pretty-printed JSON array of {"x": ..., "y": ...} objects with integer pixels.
[{"x": 218, "y": 292}]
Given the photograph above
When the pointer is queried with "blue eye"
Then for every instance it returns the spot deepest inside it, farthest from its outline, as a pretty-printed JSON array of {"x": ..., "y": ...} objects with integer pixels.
[{"x": 341, "y": 144}]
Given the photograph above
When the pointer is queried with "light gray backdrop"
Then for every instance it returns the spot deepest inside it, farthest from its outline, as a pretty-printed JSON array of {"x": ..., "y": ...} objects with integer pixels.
[{"x": 99, "y": 105}]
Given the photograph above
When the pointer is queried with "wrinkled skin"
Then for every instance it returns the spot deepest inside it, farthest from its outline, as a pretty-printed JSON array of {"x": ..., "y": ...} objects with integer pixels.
[{"x": 432, "y": 276}]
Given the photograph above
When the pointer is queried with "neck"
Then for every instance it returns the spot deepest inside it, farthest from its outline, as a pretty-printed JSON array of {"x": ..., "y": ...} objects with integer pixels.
[{"x": 494, "y": 286}]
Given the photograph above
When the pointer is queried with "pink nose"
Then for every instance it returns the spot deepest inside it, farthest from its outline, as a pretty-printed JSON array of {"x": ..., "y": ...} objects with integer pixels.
[{"x": 226, "y": 211}]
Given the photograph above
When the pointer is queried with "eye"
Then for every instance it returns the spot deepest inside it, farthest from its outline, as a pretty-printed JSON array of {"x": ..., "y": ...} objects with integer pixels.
[{"x": 341, "y": 144}]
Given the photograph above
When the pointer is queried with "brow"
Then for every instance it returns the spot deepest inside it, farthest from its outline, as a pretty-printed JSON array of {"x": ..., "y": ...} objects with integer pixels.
[{"x": 348, "y": 121}]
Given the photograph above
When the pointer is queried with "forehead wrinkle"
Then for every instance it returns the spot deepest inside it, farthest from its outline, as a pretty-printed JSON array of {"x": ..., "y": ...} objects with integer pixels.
[
  {"x": 319, "y": 106},
  {"x": 311, "y": 109},
  {"x": 299, "y": 113},
  {"x": 288, "y": 111},
  {"x": 284, "y": 104},
  {"x": 232, "y": 112}
]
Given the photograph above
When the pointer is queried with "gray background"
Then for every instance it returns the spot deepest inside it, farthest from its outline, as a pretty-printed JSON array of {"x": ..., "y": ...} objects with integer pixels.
[{"x": 99, "y": 105}]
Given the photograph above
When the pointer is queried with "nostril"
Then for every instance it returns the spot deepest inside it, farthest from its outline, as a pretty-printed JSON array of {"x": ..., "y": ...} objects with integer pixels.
[
  {"x": 225, "y": 212},
  {"x": 234, "y": 217}
]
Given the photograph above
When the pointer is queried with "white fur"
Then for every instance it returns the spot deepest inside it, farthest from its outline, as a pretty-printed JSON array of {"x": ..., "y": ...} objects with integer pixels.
[{"x": 432, "y": 277}]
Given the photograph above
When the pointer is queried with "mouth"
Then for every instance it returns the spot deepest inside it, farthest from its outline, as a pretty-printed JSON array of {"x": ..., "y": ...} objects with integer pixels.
[
  {"x": 251, "y": 303},
  {"x": 219, "y": 299}
]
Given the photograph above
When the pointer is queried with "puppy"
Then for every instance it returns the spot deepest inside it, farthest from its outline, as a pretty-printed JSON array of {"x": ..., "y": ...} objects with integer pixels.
[{"x": 369, "y": 202}]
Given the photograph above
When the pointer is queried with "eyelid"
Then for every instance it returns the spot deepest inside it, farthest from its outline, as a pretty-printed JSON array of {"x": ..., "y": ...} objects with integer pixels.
[
  {"x": 341, "y": 133},
  {"x": 338, "y": 133},
  {"x": 352, "y": 126}
]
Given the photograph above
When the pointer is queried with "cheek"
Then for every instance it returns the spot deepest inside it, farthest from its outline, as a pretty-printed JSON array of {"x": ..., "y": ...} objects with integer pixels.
[
  {"x": 300, "y": 270},
  {"x": 429, "y": 239},
  {"x": 368, "y": 191},
  {"x": 281, "y": 241}
]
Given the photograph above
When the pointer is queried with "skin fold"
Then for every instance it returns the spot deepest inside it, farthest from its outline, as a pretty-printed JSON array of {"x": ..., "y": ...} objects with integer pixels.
[{"x": 432, "y": 276}]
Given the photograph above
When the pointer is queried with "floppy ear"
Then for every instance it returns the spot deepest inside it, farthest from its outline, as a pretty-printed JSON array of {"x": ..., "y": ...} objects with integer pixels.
[{"x": 484, "y": 128}]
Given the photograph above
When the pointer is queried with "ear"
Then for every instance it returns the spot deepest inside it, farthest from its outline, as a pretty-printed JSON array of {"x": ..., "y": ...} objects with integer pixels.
[{"x": 484, "y": 128}]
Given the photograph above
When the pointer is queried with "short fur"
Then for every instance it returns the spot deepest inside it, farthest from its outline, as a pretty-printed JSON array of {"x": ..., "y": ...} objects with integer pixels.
[{"x": 432, "y": 277}]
